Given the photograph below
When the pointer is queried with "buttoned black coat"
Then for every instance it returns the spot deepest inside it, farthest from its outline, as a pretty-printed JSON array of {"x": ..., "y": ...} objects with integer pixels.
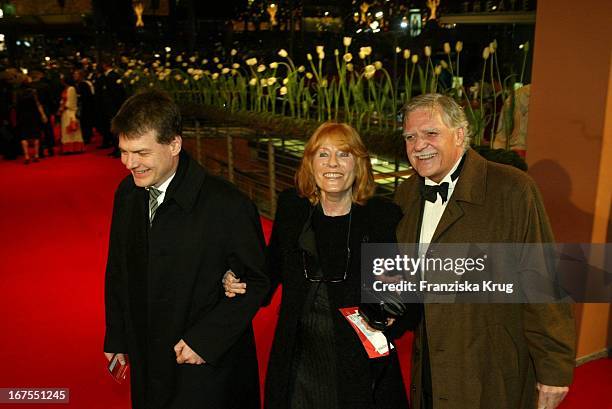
[{"x": 163, "y": 284}]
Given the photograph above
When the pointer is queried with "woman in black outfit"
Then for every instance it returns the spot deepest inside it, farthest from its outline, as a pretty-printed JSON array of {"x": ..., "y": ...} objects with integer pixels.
[
  {"x": 317, "y": 360},
  {"x": 29, "y": 121}
]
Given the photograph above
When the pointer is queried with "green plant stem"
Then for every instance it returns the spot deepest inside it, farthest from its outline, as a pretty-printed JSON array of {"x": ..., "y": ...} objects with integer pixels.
[
  {"x": 492, "y": 136},
  {"x": 458, "y": 54},
  {"x": 523, "y": 67}
]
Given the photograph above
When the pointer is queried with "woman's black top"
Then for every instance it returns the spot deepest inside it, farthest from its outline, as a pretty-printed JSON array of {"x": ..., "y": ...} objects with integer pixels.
[{"x": 315, "y": 371}]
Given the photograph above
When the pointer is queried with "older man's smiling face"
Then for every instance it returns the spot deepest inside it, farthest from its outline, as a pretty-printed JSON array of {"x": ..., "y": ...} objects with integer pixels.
[{"x": 432, "y": 147}]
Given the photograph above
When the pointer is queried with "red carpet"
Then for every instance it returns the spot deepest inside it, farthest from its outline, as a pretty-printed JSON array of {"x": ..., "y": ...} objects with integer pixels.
[{"x": 54, "y": 220}]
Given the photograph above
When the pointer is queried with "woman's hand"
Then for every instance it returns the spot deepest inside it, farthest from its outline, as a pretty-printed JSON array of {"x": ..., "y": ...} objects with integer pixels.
[{"x": 232, "y": 285}]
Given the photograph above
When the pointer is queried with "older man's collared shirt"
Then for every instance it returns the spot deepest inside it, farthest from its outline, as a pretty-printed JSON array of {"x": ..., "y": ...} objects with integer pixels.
[{"x": 432, "y": 213}]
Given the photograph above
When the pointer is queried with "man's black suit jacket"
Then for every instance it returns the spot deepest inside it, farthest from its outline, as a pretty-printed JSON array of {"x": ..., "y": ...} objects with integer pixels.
[{"x": 163, "y": 284}]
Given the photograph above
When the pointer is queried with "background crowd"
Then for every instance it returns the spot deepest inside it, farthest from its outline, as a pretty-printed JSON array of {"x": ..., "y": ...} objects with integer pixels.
[{"x": 55, "y": 110}]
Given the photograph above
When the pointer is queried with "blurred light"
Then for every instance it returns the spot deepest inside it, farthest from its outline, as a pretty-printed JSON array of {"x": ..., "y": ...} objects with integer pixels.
[
  {"x": 494, "y": 8},
  {"x": 521, "y": 46},
  {"x": 356, "y": 14},
  {"x": 358, "y": 31},
  {"x": 156, "y": 55},
  {"x": 24, "y": 71},
  {"x": 47, "y": 59},
  {"x": 18, "y": 42},
  {"x": 398, "y": 50},
  {"x": 168, "y": 49},
  {"x": 377, "y": 30},
  {"x": 379, "y": 14},
  {"x": 374, "y": 25},
  {"x": 326, "y": 13},
  {"x": 1, "y": 13},
  {"x": 404, "y": 23},
  {"x": 1, "y": 38}
]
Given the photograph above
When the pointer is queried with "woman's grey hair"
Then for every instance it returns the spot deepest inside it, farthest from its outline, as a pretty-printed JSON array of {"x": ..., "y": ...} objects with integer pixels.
[{"x": 451, "y": 112}]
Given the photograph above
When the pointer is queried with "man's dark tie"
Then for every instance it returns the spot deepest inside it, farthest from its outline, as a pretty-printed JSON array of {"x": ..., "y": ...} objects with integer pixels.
[
  {"x": 153, "y": 195},
  {"x": 430, "y": 192}
]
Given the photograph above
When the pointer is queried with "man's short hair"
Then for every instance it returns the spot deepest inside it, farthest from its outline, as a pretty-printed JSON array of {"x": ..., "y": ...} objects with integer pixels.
[
  {"x": 450, "y": 111},
  {"x": 150, "y": 110}
]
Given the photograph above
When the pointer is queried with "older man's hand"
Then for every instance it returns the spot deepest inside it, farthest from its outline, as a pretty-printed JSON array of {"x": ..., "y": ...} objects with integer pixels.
[
  {"x": 549, "y": 397},
  {"x": 186, "y": 355}
]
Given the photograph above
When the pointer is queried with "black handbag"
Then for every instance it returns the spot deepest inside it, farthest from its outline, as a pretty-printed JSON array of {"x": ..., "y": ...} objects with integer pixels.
[{"x": 377, "y": 314}]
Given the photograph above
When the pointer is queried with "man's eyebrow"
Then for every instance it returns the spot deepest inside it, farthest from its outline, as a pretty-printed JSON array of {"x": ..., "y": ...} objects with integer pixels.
[
  {"x": 421, "y": 130},
  {"x": 144, "y": 150}
]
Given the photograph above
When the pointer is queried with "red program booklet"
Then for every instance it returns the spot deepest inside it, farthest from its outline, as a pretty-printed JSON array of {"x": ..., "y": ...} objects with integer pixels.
[
  {"x": 118, "y": 370},
  {"x": 375, "y": 343}
]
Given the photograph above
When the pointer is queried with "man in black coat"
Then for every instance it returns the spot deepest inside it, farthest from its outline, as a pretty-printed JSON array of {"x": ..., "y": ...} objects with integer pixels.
[
  {"x": 86, "y": 111},
  {"x": 175, "y": 231},
  {"x": 44, "y": 95},
  {"x": 110, "y": 94}
]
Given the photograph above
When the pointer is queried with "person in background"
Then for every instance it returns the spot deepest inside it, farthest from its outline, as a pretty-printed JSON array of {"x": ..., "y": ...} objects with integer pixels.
[
  {"x": 512, "y": 129},
  {"x": 9, "y": 145},
  {"x": 109, "y": 95},
  {"x": 43, "y": 92},
  {"x": 29, "y": 119},
  {"x": 72, "y": 138},
  {"x": 86, "y": 104}
]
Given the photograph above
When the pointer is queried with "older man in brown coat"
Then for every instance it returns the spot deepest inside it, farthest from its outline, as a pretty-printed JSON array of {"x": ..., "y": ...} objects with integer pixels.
[{"x": 488, "y": 356}]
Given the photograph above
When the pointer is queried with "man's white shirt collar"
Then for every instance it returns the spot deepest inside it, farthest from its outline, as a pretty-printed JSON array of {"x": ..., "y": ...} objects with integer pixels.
[
  {"x": 447, "y": 178},
  {"x": 432, "y": 212},
  {"x": 163, "y": 187}
]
